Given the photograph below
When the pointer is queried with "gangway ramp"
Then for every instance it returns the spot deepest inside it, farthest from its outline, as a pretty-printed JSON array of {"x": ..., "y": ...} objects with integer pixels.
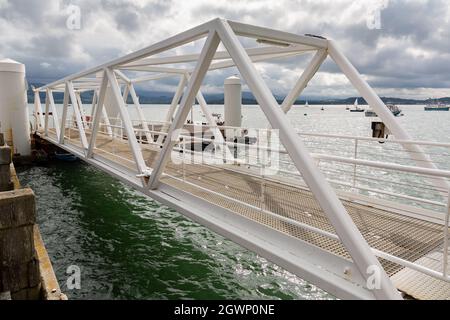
[
  {"x": 237, "y": 195},
  {"x": 346, "y": 217}
]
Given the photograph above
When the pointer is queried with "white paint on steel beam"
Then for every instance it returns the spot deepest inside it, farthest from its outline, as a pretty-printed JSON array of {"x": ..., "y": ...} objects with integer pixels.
[
  {"x": 56, "y": 123},
  {"x": 38, "y": 110},
  {"x": 126, "y": 121},
  {"x": 230, "y": 63},
  {"x": 81, "y": 108},
  {"x": 64, "y": 115},
  {"x": 94, "y": 105},
  {"x": 246, "y": 30},
  {"x": 218, "y": 136},
  {"x": 173, "y": 107},
  {"x": 242, "y": 58},
  {"x": 107, "y": 122},
  {"x": 98, "y": 115},
  {"x": 178, "y": 40},
  {"x": 156, "y": 69},
  {"x": 306, "y": 76},
  {"x": 208, "y": 51},
  {"x": 324, "y": 193},
  {"x": 310, "y": 263},
  {"x": 126, "y": 93},
  {"x": 47, "y": 107},
  {"x": 221, "y": 55},
  {"x": 140, "y": 112},
  {"x": 78, "y": 118},
  {"x": 153, "y": 77}
]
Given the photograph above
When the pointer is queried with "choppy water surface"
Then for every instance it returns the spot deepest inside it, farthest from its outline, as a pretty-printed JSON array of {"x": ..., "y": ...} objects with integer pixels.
[{"x": 130, "y": 247}]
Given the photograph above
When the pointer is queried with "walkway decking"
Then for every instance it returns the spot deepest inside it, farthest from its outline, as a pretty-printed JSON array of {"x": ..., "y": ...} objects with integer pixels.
[{"x": 402, "y": 236}]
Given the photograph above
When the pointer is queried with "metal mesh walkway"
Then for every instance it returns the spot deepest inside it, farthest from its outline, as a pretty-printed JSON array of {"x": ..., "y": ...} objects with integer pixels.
[{"x": 405, "y": 237}]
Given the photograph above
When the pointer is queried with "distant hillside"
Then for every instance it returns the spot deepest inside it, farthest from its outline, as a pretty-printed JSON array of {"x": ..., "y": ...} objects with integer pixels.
[{"x": 157, "y": 97}]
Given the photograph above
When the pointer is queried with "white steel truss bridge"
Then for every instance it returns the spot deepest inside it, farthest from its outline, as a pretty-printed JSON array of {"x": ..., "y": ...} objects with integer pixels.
[{"x": 359, "y": 217}]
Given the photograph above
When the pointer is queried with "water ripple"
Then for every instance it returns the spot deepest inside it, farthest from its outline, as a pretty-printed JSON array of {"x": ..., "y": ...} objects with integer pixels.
[{"x": 130, "y": 247}]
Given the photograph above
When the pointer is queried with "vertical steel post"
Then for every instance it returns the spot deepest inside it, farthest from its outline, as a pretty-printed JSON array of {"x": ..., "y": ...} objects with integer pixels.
[
  {"x": 354, "y": 166},
  {"x": 78, "y": 118},
  {"x": 47, "y": 107},
  {"x": 38, "y": 110},
  {"x": 446, "y": 235}
]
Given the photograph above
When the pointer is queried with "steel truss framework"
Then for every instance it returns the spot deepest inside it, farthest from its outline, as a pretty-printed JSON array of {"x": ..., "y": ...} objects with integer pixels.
[{"x": 295, "y": 256}]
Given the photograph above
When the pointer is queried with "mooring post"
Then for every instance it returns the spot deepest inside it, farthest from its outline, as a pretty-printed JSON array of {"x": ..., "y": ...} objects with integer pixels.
[{"x": 5, "y": 163}]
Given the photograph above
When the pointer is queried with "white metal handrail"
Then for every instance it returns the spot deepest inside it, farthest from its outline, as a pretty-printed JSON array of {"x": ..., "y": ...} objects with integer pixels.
[{"x": 408, "y": 264}]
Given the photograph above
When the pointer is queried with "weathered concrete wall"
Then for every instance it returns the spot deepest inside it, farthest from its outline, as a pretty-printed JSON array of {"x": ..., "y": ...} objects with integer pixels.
[
  {"x": 19, "y": 267},
  {"x": 26, "y": 272}
]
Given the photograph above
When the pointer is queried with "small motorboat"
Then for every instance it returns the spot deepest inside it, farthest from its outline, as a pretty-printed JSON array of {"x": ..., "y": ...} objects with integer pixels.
[
  {"x": 392, "y": 107},
  {"x": 370, "y": 113},
  {"x": 64, "y": 156}
]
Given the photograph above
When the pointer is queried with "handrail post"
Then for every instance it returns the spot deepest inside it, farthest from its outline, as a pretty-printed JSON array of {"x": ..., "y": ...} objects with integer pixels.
[
  {"x": 446, "y": 235},
  {"x": 354, "y": 166},
  {"x": 184, "y": 159}
]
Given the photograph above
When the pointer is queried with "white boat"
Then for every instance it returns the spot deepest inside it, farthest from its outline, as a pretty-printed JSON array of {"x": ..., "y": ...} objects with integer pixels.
[
  {"x": 396, "y": 111},
  {"x": 357, "y": 108}
]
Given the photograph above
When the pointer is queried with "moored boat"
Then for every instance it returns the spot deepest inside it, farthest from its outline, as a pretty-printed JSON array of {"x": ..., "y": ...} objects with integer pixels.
[
  {"x": 65, "y": 157},
  {"x": 396, "y": 111},
  {"x": 437, "y": 107},
  {"x": 357, "y": 108}
]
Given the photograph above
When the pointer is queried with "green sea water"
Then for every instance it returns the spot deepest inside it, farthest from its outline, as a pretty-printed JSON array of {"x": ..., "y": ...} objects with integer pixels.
[{"x": 130, "y": 247}]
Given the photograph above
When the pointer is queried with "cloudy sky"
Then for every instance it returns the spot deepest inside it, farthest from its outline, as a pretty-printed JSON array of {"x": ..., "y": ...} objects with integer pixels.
[{"x": 405, "y": 54}]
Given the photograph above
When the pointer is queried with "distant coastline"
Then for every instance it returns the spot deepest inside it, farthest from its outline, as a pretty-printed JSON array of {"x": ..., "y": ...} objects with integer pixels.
[{"x": 155, "y": 97}]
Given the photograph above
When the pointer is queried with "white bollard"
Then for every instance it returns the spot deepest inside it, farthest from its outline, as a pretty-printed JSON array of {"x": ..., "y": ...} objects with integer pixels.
[
  {"x": 233, "y": 102},
  {"x": 14, "y": 113}
]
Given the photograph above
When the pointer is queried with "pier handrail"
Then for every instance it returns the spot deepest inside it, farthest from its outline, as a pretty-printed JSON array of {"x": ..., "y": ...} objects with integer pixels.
[
  {"x": 113, "y": 82},
  {"x": 379, "y": 253}
]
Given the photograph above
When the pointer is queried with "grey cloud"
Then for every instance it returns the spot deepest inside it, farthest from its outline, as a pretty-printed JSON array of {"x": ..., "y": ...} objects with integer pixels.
[{"x": 112, "y": 28}]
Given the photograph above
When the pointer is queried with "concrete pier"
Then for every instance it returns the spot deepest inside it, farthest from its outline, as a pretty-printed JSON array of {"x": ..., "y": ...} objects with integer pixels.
[{"x": 25, "y": 269}]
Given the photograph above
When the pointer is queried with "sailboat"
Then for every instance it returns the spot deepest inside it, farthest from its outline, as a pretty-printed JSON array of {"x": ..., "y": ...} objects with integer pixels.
[
  {"x": 306, "y": 104},
  {"x": 357, "y": 108}
]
